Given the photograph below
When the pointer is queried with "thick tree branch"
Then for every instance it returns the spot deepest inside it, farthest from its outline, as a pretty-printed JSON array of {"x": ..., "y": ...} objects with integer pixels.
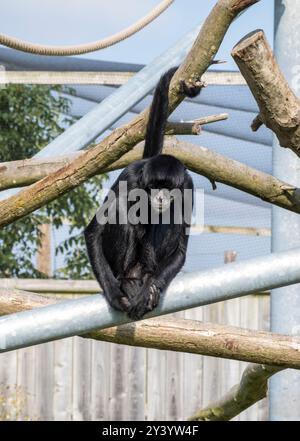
[
  {"x": 278, "y": 104},
  {"x": 252, "y": 388},
  {"x": 181, "y": 335},
  {"x": 25, "y": 172},
  {"x": 218, "y": 168},
  {"x": 200, "y": 160},
  {"x": 193, "y": 127},
  {"x": 124, "y": 138}
]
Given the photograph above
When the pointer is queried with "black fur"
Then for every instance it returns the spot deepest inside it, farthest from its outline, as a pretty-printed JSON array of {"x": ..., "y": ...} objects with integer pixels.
[
  {"x": 135, "y": 263},
  {"x": 158, "y": 116}
]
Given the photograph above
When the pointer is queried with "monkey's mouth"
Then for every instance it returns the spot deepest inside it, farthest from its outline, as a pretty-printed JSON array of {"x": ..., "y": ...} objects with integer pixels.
[
  {"x": 161, "y": 206},
  {"x": 161, "y": 200}
]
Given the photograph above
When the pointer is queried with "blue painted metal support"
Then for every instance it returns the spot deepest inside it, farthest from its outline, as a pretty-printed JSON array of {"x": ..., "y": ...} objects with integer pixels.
[
  {"x": 285, "y": 302},
  {"x": 103, "y": 115},
  {"x": 195, "y": 289}
]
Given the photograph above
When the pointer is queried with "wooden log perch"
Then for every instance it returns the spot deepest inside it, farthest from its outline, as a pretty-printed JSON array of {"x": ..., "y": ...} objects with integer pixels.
[
  {"x": 278, "y": 104},
  {"x": 252, "y": 388},
  {"x": 181, "y": 335},
  {"x": 215, "y": 167},
  {"x": 123, "y": 139}
]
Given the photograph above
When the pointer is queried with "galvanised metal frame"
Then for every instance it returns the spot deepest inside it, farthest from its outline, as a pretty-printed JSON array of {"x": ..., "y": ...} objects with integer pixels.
[
  {"x": 285, "y": 302},
  {"x": 188, "y": 291}
]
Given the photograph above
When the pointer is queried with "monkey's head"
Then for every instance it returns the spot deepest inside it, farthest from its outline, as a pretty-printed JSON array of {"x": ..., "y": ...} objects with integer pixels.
[{"x": 163, "y": 179}]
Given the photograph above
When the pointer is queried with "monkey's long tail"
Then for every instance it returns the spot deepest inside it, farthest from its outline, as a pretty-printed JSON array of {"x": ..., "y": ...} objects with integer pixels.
[{"x": 158, "y": 116}]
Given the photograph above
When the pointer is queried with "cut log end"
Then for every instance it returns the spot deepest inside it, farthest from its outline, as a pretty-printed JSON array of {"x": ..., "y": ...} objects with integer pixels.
[{"x": 249, "y": 40}]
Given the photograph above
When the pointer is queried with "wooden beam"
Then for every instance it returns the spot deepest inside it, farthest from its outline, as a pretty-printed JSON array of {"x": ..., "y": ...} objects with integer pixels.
[{"x": 103, "y": 78}]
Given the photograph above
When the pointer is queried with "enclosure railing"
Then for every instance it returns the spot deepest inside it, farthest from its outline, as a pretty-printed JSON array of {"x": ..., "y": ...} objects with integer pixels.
[{"x": 196, "y": 289}]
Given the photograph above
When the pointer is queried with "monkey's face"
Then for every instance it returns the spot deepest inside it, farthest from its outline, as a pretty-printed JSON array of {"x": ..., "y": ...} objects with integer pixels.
[
  {"x": 163, "y": 179},
  {"x": 161, "y": 199}
]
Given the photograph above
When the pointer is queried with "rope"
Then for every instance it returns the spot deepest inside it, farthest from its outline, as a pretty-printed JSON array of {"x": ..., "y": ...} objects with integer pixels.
[{"x": 39, "y": 49}]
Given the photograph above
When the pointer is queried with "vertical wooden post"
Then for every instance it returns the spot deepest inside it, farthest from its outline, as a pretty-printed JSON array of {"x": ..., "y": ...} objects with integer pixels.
[{"x": 43, "y": 261}]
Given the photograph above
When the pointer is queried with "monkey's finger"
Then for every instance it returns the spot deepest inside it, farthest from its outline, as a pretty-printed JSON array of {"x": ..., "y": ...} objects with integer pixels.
[{"x": 125, "y": 303}]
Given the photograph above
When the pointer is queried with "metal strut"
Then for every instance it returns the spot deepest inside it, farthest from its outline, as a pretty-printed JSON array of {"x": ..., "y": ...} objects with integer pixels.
[{"x": 188, "y": 291}]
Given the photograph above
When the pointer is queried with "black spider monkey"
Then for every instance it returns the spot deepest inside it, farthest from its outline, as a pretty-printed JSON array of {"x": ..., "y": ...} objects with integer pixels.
[{"x": 135, "y": 263}]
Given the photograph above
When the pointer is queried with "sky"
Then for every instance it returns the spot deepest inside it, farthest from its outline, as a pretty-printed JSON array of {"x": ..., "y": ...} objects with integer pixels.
[{"x": 81, "y": 21}]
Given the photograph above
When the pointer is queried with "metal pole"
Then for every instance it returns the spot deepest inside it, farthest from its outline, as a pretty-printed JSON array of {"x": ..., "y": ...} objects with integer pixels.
[
  {"x": 196, "y": 289},
  {"x": 285, "y": 302},
  {"x": 103, "y": 115}
]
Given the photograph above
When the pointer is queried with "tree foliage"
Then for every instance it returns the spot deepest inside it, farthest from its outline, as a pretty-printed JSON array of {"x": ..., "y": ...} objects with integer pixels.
[{"x": 30, "y": 117}]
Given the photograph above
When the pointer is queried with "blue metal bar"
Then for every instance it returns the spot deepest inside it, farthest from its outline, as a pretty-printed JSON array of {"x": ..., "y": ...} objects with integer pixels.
[
  {"x": 196, "y": 289},
  {"x": 103, "y": 115},
  {"x": 285, "y": 302}
]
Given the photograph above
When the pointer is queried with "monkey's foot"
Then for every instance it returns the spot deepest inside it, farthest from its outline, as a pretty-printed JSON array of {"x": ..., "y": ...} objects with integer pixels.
[
  {"x": 154, "y": 294},
  {"x": 145, "y": 302}
]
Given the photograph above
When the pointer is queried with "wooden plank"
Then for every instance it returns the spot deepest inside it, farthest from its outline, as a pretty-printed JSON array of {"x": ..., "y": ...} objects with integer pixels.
[
  {"x": 81, "y": 379},
  {"x": 9, "y": 397},
  {"x": 54, "y": 286},
  {"x": 103, "y": 78},
  {"x": 63, "y": 380},
  {"x": 44, "y": 381},
  {"x": 174, "y": 386},
  {"x": 192, "y": 374},
  {"x": 156, "y": 396},
  {"x": 100, "y": 380},
  {"x": 211, "y": 366},
  {"x": 118, "y": 400},
  {"x": 136, "y": 359},
  {"x": 44, "y": 77},
  {"x": 26, "y": 380}
]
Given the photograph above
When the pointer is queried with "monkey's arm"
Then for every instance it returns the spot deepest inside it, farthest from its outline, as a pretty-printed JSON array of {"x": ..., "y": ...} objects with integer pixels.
[
  {"x": 166, "y": 272},
  {"x": 101, "y": 268}
]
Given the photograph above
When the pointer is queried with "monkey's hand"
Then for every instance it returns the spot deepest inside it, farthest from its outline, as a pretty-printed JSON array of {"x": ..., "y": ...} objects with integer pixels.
[
  {"x": 191, "y": 89},
  {"x": 120, "y": 302},
  {"x": 146, "y": 301},
  {"x": 118, "y": 299}
]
